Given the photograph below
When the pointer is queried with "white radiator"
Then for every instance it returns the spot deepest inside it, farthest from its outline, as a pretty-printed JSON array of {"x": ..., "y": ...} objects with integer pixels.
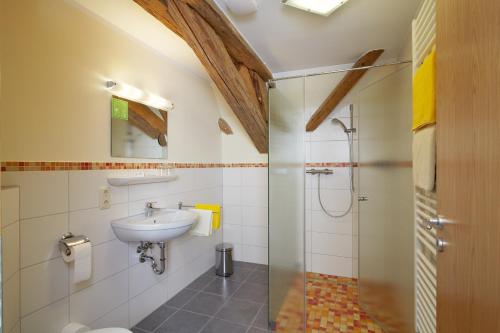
[{"x": 424, "y": 38}]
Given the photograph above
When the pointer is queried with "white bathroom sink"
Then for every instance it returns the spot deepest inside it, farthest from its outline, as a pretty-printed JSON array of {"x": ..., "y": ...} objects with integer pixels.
[{"x": 161, "y": 226}]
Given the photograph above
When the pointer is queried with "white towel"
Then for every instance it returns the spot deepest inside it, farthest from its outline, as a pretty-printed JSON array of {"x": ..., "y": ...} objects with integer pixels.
[
  {"x": 424, "y": 158},
  {"x": 203, "y": 226}
]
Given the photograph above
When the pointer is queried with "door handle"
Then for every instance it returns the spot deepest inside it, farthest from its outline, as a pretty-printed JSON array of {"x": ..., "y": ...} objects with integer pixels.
[
  {"x": 440, "y": 244},
  {"x": 436, "y": 222}
]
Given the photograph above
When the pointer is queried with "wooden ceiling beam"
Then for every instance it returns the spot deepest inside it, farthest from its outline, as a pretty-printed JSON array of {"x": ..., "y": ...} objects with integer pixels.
[
  {"x": 224, "y": 53},
  {"x": 235, "y": 44},
  {"x": 158, "y": 9},
  {"x": 342, "y": 89},
  {"x": 211, "y": 51},
  {"x": 257, "y": 89}
]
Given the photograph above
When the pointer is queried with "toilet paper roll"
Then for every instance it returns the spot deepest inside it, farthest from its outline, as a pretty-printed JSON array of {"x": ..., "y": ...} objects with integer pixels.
[{"x": 81, "y": 255}]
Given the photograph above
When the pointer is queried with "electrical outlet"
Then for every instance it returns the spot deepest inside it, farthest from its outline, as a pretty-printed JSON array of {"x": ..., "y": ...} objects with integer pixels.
[{"x": 104, "y": 197}]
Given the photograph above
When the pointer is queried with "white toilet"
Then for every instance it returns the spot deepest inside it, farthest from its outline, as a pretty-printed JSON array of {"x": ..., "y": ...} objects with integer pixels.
[{"x": 79, "y": 328}]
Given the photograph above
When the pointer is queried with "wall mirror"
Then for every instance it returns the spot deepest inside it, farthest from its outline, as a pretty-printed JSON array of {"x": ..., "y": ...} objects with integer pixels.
[{"x": 138, "y": 130}]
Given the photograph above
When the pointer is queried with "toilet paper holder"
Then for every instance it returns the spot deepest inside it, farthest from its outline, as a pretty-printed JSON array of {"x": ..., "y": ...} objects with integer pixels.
[{"x": 69, "y": 240}]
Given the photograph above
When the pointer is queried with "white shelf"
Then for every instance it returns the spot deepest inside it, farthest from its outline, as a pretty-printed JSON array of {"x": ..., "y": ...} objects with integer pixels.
[{"x": 133, "y": 180}]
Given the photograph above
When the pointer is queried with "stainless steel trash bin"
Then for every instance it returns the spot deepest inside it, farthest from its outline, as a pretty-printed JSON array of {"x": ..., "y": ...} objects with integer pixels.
[{"x": 224, "y": 259}]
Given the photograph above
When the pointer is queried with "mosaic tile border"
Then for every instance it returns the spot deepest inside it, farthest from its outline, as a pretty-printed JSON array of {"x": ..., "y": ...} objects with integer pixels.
[{"x": 64, "y": 166}]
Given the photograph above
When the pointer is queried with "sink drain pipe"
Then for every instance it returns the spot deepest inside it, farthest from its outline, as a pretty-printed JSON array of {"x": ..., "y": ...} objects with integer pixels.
[{"x": 144, "y": 247}]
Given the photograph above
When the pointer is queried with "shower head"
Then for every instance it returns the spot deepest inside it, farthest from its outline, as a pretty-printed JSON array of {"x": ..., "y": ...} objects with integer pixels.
[{"x": 340, "y": 123}]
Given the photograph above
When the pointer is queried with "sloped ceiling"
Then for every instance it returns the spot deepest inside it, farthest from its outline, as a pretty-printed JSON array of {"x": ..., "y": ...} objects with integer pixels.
[
  {"x": 288, "y": 39},
  {"x": 130, "y": 18}
]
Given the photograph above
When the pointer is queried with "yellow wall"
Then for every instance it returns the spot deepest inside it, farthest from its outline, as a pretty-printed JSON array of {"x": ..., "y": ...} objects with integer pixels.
[{"x": 55, "y": 60}]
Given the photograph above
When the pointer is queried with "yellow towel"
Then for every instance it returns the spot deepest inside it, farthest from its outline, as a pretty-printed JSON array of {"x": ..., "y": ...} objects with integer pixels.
[
  {"x": 424, "y": 93},
  {"x": 215, "y": 210}
]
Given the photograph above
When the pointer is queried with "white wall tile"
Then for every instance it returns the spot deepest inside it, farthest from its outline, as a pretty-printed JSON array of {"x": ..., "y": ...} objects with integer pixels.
[
  {"x": 255, "y": 216},
  {"x": 308, "y": 242},
  {"x": 11, "y": 303},
  {"x": 333, "y": 200},
  {"x": 340, "y": 179},
  {"x": 328, "y": 131},
  {"x": 144, "y": 191},
  {"x": 141, "y": 278},
  {"x": 91, "y": 303},
  {"x": 233, "y": 234},
  {"x": 232, "y": 215},
  {"x": 107, "y": 259},
  {"x": 42, "y": 193},
  {"x": 324, "y": 223},
  {"x": 332, "y": 265},
  {"x": 39, "y": 238},
  {"x": 101, "y": 302},
  {"x": 329, "y": 151},
  {"x": 254, "y": 177},
  {"x": 84, "y": 187},
  {"x": 355, "y": 268},
  {"x": 96, "y": 223},
  {"x": 9, "y": 205},
  {"x": 254, "y": 196},
  {"x": 255, "y": 254},
  {"x": 116, "y": 318},
  {"x": 238, "y": 252},
  {"x": 10, "y": 250},
  {"x": 175, "y": 281},
  {"x": 257, "y": 236},
  {"x": 232, "y": 177},
  {"x": 231, "y": 196},
  {"x": 308, "y": 259},
  {"x": 43, "y": 284},
  {"x": 51, "y": 319},
  {"x": 145, "y": 303},
  {"x": 331, "y": 244},
  {"x": 308, "y": 219}
]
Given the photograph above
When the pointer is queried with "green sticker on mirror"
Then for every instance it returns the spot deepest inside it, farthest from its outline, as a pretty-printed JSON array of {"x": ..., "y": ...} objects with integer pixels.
[{"x": 119, "y": 109}]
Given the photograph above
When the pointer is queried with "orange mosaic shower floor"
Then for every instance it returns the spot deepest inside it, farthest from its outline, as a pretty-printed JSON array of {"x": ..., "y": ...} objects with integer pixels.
[{"x": 332, "y": 306}]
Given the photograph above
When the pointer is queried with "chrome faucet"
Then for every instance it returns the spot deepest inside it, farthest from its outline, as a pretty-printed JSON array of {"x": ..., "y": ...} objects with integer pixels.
[{"x": 150, "y": 209}]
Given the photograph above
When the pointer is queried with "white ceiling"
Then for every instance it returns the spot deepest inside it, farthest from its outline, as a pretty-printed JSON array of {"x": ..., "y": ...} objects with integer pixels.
[{"x": 288, "y": 39}]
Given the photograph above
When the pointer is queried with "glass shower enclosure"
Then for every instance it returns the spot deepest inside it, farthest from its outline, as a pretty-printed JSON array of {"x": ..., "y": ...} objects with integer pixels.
[
  {"x": 286, "y": 202},
  {"x": 382, "y": 226}
]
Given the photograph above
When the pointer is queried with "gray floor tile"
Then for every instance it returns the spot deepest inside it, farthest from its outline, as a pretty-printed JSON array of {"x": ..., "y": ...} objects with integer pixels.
[
  {"x": 222, "y": 326},
  {"x": 182, "y": 297},
  {"x": 183, "y": 322},
  {"x": 262, "y": 267},
  {"x": 244, "y": 265},
  {"x": 239, "y": 312},
  {"x": 262, "y": 320},
  {"x": 222, "y": 287},
  {"x": 240, "y": 274},
  {"x": 203, "y": 303},
  {"x": 253, "y": 292},
  {"x": 260, "y": 277},
  {"x": 210, "y": 272},
  {"x": 201, "y": 282},
  {"x": 151, "y": 322}
]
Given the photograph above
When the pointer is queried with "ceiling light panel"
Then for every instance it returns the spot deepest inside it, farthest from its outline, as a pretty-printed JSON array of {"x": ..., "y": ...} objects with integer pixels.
[{"x": 321, "y": 7}]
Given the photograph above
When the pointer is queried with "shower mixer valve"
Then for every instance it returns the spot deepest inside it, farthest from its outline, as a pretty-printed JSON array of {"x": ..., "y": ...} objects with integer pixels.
[{"x": 320, "y": 172}]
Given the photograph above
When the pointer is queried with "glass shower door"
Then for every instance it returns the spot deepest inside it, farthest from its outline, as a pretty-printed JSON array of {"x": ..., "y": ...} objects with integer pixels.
[
  {"x": 386, "y": 229},
  {"x": 286, "y": 207}
]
